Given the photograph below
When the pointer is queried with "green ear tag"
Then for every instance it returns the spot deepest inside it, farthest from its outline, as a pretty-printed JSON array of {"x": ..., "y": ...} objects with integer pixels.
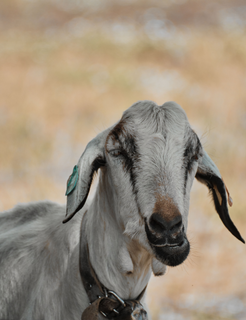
[{"x": 72, "y": 180}]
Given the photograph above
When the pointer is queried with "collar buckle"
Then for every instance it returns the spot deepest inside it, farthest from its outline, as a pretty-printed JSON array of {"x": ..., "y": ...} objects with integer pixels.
[{"x": 117, "y": 297}]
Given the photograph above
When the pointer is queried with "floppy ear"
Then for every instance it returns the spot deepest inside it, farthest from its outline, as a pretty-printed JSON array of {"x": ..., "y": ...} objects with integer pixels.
[
  {"x": 78, "y": 184},
  {"x": 209, "y": 175}
]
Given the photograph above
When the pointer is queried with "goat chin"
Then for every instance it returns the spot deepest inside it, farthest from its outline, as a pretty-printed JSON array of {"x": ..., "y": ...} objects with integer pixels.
[{"x": 173, "y": 256}]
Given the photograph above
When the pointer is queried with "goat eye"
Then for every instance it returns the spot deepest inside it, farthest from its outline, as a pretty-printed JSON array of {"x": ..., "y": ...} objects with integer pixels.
[{"x": 115, "y": 153}]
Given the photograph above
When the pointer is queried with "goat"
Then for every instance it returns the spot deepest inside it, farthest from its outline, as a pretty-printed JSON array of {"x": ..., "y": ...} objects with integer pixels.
[{"x": 135, "y": 224}]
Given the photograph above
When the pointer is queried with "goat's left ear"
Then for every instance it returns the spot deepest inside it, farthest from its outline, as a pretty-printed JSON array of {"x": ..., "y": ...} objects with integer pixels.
[
  {"x": 78, "y": 184},
  {"x": 209, "y": 175}
]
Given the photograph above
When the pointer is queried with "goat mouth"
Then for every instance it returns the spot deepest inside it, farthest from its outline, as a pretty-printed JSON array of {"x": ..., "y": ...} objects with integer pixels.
[
  {"x": 169, "y": 245},
  {"x": 172, "y": 254}
]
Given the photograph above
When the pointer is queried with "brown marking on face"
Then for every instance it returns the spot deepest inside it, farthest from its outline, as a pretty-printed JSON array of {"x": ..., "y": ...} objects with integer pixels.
[{"x": 166, "y": 207}]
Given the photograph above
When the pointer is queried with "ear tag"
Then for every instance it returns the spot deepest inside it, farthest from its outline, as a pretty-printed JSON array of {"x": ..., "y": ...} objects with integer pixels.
[{"x": 72, "y": 181}]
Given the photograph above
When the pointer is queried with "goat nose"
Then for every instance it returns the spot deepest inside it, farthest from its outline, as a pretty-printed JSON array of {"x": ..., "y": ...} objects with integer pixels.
[{"x": 160, "y": 224}]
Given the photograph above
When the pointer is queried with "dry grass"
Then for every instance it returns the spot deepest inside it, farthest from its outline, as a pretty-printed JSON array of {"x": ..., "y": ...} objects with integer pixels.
[{"x": 57, "y": 90}]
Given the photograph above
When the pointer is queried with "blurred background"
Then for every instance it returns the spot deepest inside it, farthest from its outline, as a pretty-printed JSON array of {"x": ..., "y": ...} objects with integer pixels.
[{"x": 69, "y": 68}]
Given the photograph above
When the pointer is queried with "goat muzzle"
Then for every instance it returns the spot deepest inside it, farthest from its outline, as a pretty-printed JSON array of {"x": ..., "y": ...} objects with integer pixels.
[{"x": 168, "y": 241}]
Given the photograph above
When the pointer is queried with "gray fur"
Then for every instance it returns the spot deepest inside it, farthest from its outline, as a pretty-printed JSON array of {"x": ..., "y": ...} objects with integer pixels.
[
  {"x": 39, "y": 275},
  {"x": 39, "y": 256}
]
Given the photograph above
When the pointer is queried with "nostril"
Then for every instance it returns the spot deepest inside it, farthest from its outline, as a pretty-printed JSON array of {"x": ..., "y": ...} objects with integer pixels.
[
  {"x": 157, "y": 223},
  {"x": 176, "y": 226}
]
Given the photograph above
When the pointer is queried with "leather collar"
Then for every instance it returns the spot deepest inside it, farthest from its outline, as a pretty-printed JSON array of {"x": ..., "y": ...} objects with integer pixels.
[{"x": 104, "y": 303}]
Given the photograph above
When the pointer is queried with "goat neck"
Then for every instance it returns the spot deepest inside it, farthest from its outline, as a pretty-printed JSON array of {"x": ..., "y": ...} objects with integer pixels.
[{"x": 121, "y": 264}]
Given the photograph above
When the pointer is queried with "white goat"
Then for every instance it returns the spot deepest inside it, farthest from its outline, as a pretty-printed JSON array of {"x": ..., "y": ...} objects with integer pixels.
[{"x": 135, "y": 224}]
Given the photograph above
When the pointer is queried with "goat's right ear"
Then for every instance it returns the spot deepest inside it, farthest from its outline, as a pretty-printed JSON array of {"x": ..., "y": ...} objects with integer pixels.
[
  {"x": 209, "y": 175},
  {"x": 78, "y": 184}
]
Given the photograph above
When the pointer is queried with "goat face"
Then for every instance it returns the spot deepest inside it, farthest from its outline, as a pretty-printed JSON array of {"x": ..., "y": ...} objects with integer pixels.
[{"x": 149, "y": 160}]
